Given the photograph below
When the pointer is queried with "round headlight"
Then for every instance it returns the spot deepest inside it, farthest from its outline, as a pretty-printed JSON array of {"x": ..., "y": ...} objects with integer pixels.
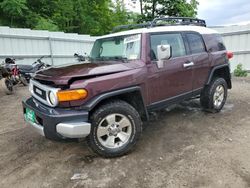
[{"x": 52, "y": 98}]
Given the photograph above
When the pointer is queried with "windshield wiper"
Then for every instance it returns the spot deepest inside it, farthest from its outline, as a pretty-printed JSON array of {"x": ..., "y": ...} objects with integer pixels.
[
  {"x": 102, "y": 58},
  {"x": 117, "y": 58},
  {"x": 114, "y": 58}
]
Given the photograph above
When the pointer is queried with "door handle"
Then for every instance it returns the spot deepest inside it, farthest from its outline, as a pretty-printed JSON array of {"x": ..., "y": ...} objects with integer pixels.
[{"x": 190, "y": 64}]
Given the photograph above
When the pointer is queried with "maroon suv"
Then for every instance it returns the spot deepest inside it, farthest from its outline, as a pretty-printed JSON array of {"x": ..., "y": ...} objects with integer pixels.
[{"x": 127, "y": 75}]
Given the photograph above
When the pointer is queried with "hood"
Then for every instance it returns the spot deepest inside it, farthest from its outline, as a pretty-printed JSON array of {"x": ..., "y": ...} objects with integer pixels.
[{"x": 61, "y": 75}]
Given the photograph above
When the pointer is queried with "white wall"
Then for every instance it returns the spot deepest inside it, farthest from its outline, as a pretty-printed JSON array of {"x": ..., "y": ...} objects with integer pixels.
[
  {"x": 237, "y": 40},
  {"x": 27, "y": 45}
]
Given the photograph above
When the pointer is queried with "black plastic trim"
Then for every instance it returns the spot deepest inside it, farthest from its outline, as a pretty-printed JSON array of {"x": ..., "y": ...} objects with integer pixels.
[
  {"x": 50, "y": 117},
  {"x": 173, "y": 100},
  {"x": 216, "y": 68},
  {"x": 96, "y": 100},
  {"x": 172, "y": 21}
]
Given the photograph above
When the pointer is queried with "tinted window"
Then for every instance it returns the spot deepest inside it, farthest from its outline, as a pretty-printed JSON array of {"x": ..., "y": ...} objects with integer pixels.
[
  {"x": 220, "y": 43},
  {"x": 214, "y": 43},
  {"x": 174, "y": 40},
  {"x": 195, "y": 43}
]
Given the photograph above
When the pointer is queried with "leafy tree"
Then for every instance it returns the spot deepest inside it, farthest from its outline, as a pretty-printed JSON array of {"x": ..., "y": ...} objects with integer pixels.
[
  {"x": 43, "y": 8},
  {"x": 119, "y": 13},
  {"x": 95, "y": 17},
  {"x": 46, "y": 24},
  {"x": 155, "y": 8},
  {"x": 64, "y": 14},
  {"x": 13, "y": 9}
]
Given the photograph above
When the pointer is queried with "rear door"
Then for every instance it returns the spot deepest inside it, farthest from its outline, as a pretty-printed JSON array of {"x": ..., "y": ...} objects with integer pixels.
[
  {"x": 200, "y": 58},
  {"x": 175, "y": 78}
]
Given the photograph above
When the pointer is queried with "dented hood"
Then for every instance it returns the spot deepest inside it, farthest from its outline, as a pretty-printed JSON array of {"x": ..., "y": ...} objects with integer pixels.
[{"x": 61, "y": 75}]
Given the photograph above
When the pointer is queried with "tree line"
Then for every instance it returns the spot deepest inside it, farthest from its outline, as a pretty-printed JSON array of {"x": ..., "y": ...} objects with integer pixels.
[{"x": 94, "y": 17}]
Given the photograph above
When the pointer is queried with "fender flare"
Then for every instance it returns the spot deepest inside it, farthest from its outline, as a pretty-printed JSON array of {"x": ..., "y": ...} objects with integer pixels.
[
  {"x": 90, "y": 105},
  {"x": 216, "y": 68}
]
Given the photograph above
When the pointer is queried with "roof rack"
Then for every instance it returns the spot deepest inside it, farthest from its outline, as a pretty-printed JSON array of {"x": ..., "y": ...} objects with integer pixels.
[
  {"x": 178, "y": 21},
  {"x": 131, "y": 26},
  {"x": 163, "y": 21}
]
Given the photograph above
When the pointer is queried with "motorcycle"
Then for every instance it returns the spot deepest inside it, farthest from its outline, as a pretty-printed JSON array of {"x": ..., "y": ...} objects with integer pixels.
[
  {"x": 16, "y": 76},
  {"x": 28, "y": 70},
  {"x": 5, "y": 79}
]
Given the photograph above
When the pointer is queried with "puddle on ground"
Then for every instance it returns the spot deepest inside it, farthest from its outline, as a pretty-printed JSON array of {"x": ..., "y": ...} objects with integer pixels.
[{"x": 227, "y": 107}]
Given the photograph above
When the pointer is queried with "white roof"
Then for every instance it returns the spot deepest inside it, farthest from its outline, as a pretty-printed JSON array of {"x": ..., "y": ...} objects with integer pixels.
[{"x": 199, "y": 29}]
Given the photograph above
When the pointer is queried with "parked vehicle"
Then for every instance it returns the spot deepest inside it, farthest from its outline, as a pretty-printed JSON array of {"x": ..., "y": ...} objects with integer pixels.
[
  {"x": 16, "y": 76},
  {"x": 130, "y": 74},
  {"x": 5, "y": 79},
  {"x": 28, "y": 70}
]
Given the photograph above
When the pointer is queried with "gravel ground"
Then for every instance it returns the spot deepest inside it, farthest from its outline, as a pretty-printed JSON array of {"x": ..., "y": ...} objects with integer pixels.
[{"x": 180, "y": 147}]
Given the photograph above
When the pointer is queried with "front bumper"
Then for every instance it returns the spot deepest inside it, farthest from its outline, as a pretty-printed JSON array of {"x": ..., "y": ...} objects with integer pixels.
[{"x": 57, "y": 123}]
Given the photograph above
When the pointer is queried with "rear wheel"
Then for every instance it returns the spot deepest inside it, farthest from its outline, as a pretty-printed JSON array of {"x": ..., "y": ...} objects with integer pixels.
[
  {"x": 116, "y": 127},
  {"x": 213, "y": 96}
]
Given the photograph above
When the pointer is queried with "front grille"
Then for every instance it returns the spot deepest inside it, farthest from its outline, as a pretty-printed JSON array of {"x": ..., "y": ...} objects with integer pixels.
[{"x": 41, "y": 93}]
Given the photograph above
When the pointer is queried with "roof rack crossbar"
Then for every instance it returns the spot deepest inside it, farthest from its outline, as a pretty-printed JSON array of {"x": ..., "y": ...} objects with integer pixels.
[
  {"x": 131, "y": 26},
  {"x": 179, "y": 21},
  {"x": 166, "y": 21}
]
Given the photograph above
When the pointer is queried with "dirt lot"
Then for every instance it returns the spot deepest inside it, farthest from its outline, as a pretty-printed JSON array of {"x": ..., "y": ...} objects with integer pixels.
[{"x": 184, "y": 147}]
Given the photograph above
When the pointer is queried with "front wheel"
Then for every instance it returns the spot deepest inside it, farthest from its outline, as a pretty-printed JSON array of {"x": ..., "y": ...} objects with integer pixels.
[
  {"x": 213, "y": 96},
  {"x": 116, "y": 127},
  {"x": 23, "y": 80},
  {"x": 7, "y": 86}
]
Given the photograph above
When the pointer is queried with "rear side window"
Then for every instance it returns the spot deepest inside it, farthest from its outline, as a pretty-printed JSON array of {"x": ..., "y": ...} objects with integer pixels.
[
  {"x": 173, "y": 39},
  {"x": 214, "y": 42},
  {"x": 196, "y": 43},
  {"x": 220, "y": 44}
]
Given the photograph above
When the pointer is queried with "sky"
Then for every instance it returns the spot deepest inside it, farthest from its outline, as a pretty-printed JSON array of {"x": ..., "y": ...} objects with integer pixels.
[
  {"x": 224, "y": 12},
  {"x": 216, "y": 12}
]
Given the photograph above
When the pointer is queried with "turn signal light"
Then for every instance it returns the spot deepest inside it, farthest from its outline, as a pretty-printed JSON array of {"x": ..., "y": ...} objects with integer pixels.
[
  {"x": 230, "y": 55},
  {"x": 72, "y": 95}
]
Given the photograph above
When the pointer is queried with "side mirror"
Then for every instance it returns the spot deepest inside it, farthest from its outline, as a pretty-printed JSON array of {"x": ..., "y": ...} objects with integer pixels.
[{"x": 163, "y": 53}]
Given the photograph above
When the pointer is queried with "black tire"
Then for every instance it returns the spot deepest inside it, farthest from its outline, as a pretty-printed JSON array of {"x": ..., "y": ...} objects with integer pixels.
[
  {"x": 23, "y": 80},
  {"x": 207, "y": 95},
  {"x": 7, "y": 86},
  {"x": 128, "y": 112}
]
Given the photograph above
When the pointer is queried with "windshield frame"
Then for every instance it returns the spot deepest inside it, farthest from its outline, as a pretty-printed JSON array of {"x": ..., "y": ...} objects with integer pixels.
[{"x": 113, "y": 59}]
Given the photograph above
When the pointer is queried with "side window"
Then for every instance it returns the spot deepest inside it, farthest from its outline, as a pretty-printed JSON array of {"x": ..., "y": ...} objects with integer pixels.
[
  {"x": 196, "y": 43},
  {"x": 214, "y": 42},
  {"x": 220, "y": 43},
  {"x": 173, "y": 39}
]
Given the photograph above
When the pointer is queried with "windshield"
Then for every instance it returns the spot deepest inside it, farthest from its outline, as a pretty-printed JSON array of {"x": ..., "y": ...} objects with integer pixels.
[{"x": 116, "y": 48}]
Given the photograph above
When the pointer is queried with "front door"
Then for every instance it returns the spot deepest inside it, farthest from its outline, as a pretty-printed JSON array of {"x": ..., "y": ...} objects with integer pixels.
[{"x": 175, "y": 78}]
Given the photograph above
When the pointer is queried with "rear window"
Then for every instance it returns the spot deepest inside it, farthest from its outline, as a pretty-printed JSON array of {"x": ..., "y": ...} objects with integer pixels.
[{"x": 196, "y": 43}]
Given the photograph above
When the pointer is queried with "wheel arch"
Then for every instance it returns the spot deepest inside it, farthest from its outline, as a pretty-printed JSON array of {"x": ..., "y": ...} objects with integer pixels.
[
  {"x": 132, "y": 96},
  {"x": 220, "y": 71}
]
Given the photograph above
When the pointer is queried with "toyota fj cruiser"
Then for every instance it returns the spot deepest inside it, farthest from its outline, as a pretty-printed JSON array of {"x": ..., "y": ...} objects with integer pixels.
[{"x": 128, "y": 74}]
